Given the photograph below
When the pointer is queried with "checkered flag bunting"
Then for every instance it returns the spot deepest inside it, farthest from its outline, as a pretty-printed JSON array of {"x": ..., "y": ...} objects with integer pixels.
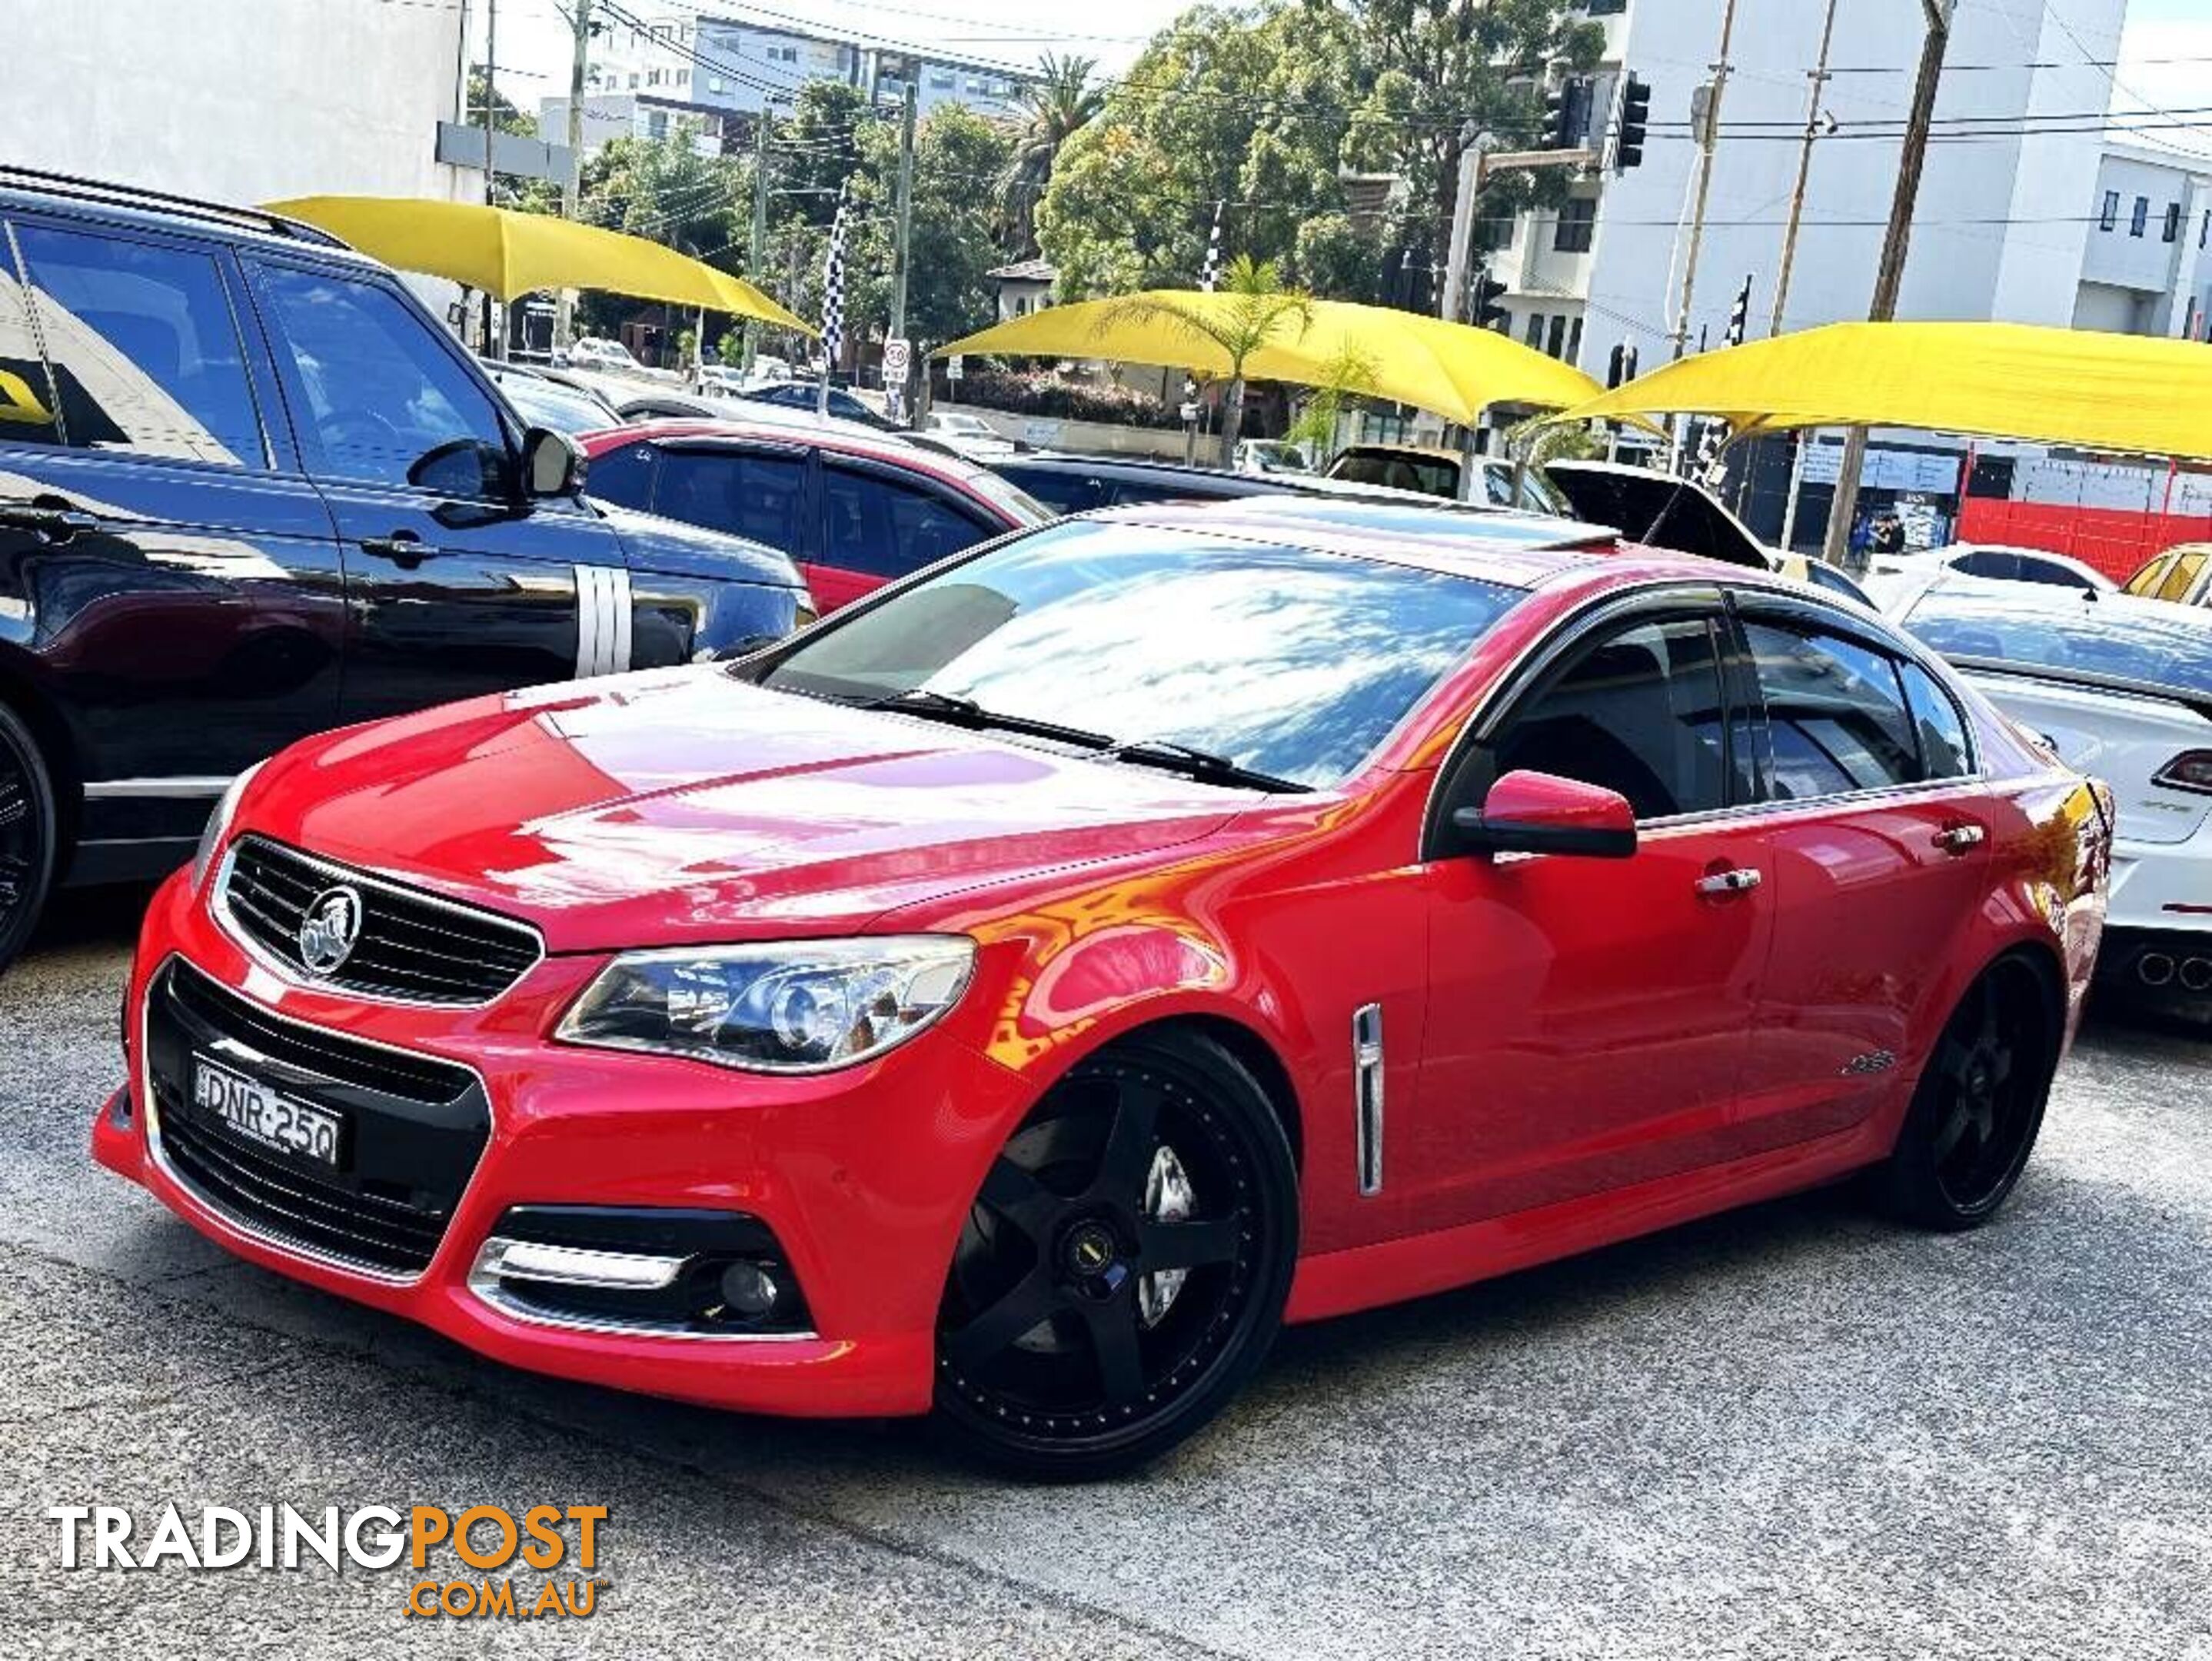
[
  {"x": 1710, "y": 470},
  {"x": 1208, "y": 279},
  {"x": 833, "y": 288}
]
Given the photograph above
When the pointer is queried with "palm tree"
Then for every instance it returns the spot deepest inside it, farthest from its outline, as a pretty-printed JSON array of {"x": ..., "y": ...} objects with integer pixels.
[
  {"x": 1250, "y": 310},
  {"x": 1055, "y": 105}
]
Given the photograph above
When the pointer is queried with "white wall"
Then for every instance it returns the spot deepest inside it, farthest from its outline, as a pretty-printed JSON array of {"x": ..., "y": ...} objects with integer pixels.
[
  {"x": 236, "y": 100},
  {"x": 2025, "y": 272}
]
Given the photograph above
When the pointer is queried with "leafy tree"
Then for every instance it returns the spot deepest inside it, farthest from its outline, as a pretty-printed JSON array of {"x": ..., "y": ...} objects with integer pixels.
[
  {"x": 1259, "y": 311},
  {"x": 1261, "y": 109},
  {"x": 1057, "y": 105},
  {"x": 1442, "y": 71},
  {"x": 1225, "y": 107}
]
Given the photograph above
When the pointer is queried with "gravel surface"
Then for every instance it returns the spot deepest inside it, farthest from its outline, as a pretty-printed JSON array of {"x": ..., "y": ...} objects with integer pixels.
[{"x": 1790, "y": 1432}]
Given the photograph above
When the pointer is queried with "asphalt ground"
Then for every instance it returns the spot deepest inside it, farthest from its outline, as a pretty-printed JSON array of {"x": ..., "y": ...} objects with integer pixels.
[{"x": 1794, "y": 1431}]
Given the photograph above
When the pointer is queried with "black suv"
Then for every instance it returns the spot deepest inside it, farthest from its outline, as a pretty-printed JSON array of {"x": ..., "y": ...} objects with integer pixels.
[{"x": 250, "y": 489}]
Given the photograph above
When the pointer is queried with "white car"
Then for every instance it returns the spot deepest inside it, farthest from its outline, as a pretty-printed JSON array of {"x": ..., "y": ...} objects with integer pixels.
[
  {"x": 2121, "y": 688},
  {"x": 970, "y": 435},
  {"x": 1270, "y": 455},
  {"x": 1890, "y": 577}
]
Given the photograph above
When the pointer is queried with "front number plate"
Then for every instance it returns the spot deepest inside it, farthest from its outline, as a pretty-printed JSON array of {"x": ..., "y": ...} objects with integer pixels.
[{"x": 263, "y": 1115}]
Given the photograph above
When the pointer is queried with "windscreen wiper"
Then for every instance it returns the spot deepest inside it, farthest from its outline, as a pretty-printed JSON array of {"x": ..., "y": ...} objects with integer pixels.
[
  {"x": 966, "y": 712},
  {"x": 1201, "y": 765}
]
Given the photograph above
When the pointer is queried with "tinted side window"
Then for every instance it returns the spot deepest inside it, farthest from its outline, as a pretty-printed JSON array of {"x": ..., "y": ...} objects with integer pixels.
[
  {"x": 757, "y": 496},
  {"x": 376, "y": 396},
  {"x": 27, "y": 390},
  {"x": 887, "y": 530},
  {"x": 1942, "y": 730},
  {"x": 1835, "y": 711},
  {"x": 624, "y": 475},
  {"x": 1064, "y": 493},
  {"x": 2042, "y": 571},
  {"x": 1640, "y": 713},
  {"x": 1989, "y": 563},
  {"x": 143, "y": 346}
]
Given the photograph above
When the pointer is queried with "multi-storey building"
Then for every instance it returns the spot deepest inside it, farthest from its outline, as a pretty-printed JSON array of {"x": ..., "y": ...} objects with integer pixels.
[
  {"x": 2004, "y": 210},
  {"x": 684, "y": 54}
]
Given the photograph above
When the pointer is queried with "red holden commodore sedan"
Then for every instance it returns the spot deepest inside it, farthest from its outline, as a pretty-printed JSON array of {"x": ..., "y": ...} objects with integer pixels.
[{"x": 1016, "y": 995}]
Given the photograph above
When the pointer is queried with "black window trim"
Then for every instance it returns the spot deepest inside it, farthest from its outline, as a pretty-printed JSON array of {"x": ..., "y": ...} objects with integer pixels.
[
  {"x": 278, "y": 454},
  {"x": 809, "y": 528},
  {"x": 1540, "y": 663},
  {"x": 890, "y": 472},
  {"x": 1760, "y": 604}
]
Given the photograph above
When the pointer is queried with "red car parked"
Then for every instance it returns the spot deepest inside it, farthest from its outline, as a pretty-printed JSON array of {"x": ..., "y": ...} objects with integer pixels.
[
  {"x": 854, "y": 510},
  {"x": 1019, "y": 993}
]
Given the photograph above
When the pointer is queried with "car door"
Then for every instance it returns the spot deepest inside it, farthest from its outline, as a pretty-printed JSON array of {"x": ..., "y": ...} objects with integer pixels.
[
  {"x": 879, "y": 523},
  {"x": 1879, "y": 830},
  {"x": 457, "y": 583},
  {"x": 1588, "y": 1019},
  {"x": 757, "y": 490},
  {"x": 169, "y": 581}
]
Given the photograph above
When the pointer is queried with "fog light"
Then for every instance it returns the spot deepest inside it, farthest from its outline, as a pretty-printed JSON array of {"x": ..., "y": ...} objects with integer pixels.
[{"x": 749, "y": 1291}]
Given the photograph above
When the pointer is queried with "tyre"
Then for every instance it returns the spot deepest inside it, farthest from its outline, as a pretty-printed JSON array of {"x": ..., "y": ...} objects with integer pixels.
[
  {"x": 1124, "y": 1269},
  {"x": 1974, "y": 1118},
  {"x": 26, "y": 835}
]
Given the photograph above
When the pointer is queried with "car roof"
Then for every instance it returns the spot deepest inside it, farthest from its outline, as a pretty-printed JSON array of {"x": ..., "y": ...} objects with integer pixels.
[
  {"x": 844, "y": 437},
  {"x": 1426, "y": 451},
  {"x": 114, "y": 203},
  {"x": 1513, "y": 551}
]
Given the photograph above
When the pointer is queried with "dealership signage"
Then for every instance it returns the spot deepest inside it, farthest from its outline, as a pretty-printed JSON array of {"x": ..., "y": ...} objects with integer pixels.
[{"x": 481, "y": 1562}]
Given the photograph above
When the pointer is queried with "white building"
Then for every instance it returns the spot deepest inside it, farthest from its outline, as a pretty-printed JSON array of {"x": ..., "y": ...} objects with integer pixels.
[
  {"x": 738, "y": 64},
  {"x": 610, "y": 115},
  {"x": 2146, "y": 268},
  {"x": 2001, "y": 222},
  {"x": 248, "y": 101}
]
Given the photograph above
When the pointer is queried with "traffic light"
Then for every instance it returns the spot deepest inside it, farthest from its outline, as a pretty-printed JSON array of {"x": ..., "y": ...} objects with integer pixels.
[
  {"x": 1483, "y": 311},
  {"x": 1635, "y": 125},
  {"x": 1561, "y": 109}
]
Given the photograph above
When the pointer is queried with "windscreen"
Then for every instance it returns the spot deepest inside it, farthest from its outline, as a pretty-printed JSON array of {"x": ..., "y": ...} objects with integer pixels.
[{"x": 1287, "y": 661}]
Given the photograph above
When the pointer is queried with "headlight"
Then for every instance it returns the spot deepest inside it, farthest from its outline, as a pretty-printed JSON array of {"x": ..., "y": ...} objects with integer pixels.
[
  {"x": 218, "y": 825},
  {"x": 789, "y": 1007}
]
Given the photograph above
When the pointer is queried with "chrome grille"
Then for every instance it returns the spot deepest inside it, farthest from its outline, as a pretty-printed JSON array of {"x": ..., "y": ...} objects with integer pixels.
[{"x": 412, "y": 945}]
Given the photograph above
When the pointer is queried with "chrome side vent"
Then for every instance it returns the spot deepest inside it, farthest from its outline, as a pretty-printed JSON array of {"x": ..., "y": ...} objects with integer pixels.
[{"x": 1367, "y": 1094}]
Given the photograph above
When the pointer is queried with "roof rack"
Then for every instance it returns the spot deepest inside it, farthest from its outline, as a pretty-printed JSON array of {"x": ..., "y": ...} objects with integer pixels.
[{"x": 101, "y": 190}]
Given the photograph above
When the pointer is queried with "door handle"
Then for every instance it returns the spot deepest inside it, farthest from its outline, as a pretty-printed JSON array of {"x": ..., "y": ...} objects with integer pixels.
[
  {"x": 1719, "y": 885},
  {"x": 402, "y": 548},
  {"x": 1960, "y": 838},
  {"x": 49, "y": 517}
]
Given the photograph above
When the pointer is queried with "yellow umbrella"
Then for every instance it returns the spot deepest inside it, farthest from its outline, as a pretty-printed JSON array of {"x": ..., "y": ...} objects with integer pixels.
[
  {"x": 2103, "y": 391},
  {"x": 1448, "y": 368},
  {"x": 506, "y": 254}
]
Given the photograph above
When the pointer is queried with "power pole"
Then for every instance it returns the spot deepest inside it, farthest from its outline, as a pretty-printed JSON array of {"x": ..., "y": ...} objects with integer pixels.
[
  {"x": 1708, "y": 142},
  {"x": 756, "y": 245},
  {"x": 491, "y": 102},
  {"x": 572, "y": 187},
  {"x": 902, "y": 256},
  {"x": 1897, "y": 242},
  {"x": 1820, "y": 78}
]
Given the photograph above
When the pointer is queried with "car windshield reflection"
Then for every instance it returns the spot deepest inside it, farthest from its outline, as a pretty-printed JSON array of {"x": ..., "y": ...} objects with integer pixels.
[{"x": 1284, "y": 661}]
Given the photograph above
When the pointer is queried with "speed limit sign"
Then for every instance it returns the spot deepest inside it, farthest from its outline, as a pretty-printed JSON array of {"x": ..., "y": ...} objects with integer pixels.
[{"x": 897, "y": 356}]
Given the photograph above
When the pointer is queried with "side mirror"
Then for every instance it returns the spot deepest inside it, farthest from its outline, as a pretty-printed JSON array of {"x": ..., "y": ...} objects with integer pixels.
[
  {"x": 1542, "y": 813},
  {"x": 552, "y": 465}
]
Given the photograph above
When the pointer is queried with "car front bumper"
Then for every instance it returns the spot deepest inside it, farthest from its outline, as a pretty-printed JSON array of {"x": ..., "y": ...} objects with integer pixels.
[{"x": 863, "y": 1176}]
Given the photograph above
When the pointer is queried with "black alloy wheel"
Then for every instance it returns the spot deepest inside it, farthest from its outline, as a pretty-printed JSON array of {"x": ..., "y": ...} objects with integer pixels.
[
  {"x": 1974, "y": 1118},
  {"x": 1125, "y": 1266},
  {"x": 26, "y": 835}
]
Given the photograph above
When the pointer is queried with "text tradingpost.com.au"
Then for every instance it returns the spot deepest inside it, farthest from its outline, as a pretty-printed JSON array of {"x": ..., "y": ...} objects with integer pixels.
[{"x": 479, "y": 1561}]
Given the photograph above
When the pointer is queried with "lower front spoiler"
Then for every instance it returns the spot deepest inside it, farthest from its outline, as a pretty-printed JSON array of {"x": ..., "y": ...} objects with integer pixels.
[{"x": 807, "y": 1376}]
